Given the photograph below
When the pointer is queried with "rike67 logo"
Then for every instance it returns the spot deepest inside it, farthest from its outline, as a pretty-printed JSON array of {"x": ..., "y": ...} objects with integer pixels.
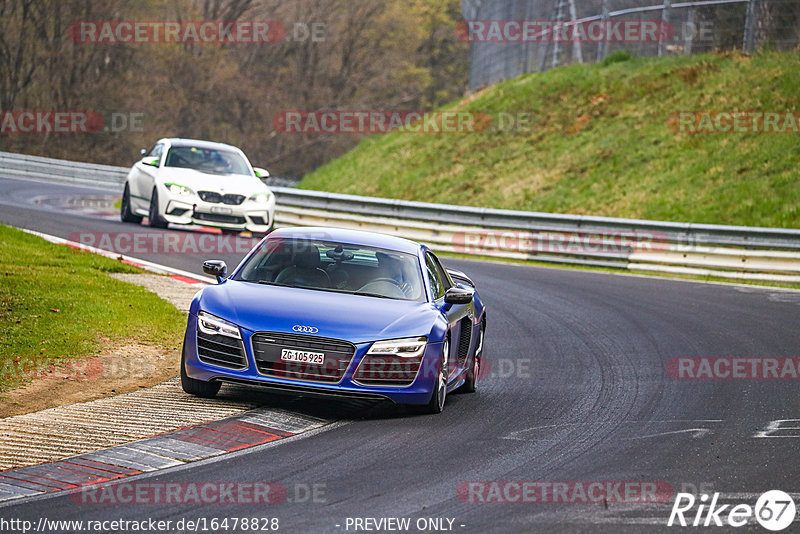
[{"x": 774, "y": 510}]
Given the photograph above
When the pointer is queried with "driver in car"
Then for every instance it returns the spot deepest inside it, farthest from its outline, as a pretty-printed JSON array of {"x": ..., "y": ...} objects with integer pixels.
[{"x": 396, "y": 269}]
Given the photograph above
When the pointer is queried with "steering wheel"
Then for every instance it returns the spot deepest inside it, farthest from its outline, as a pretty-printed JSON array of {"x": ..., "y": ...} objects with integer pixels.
[{"x": 390, "y": 280}]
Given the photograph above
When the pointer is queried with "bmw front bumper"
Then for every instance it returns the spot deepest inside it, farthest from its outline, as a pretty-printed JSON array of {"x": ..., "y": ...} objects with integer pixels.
[{"x": 249, "y": 215}]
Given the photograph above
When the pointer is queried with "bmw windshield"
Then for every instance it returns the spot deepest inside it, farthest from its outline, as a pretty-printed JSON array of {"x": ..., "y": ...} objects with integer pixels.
[
  {"x": 206, "y": 160},
  {"x": 331, "y": 266}
]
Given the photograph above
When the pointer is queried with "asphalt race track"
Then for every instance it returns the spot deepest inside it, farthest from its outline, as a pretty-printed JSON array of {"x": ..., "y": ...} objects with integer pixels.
[{"x": 578, "y": 391}]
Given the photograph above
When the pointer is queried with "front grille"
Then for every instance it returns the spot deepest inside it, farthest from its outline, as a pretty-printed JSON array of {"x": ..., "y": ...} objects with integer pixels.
[
  {"x": 222, "y": 351},
  {"x": 387, "y": 371},
  {"x": 216, "y": 198},
  {"x": 463, "y": 341},
  {"x": 267, "y": 349},
  {"x": 220, "y": 218}
]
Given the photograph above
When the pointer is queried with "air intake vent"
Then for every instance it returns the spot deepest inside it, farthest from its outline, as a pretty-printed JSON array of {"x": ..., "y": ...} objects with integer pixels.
[{"x": 222, "y": 351}]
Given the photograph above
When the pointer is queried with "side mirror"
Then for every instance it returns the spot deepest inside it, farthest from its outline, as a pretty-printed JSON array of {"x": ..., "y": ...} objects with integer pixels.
[
  {"x": 460, "y": 277},
  {"x": 261, "y": 173},
  {"x": 151, "y": 161},
  {"x": 217, "y": 268},
  {"x": 457, "y": 295},
  {"x": 143, "y": 151}
]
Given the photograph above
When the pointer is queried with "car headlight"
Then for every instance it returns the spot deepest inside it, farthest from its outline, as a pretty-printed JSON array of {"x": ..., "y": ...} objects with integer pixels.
[
  {"x": 181, "y": 190},
  {"x": 213, "y": 325},
  {"x": 261, "y": 198},
  {"x": 410, "y": 347}
]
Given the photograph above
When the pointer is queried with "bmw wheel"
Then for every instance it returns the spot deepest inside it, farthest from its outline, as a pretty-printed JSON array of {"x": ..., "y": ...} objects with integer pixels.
[
  {"x": 155, "y": 219},
  {"x": 125, "y": 212}
]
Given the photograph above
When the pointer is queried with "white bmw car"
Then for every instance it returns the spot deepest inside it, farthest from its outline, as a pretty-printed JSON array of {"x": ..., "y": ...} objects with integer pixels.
[{"x": 186, "y": 181}]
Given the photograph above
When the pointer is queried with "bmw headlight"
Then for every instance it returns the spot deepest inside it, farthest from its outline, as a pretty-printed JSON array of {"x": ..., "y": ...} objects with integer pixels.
[
  {"x": 410, "y": 347},
  {"x": 180, "y": 190},
  {"x": 260, "y": 198},
  {"x": 213, "y": 325}
]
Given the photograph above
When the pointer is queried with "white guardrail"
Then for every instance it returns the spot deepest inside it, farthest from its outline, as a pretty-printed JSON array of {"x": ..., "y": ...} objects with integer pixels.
[{"x": 737, "y": 252}]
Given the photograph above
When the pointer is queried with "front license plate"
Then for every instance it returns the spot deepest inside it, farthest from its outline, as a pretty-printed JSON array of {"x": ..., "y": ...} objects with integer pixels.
[
  {"x": 301, "y": 356},
  {"x": 217, "y": 209}
]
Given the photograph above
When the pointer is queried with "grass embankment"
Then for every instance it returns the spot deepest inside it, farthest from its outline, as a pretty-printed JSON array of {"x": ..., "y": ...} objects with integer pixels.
[
  {"x": 600, "y": 143},
  {"x": 57, "y": 305}
]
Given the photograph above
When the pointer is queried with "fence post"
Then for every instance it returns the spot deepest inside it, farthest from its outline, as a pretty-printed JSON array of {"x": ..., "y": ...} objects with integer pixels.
[
  {"x": 556, "y": 42},
  {"x": 750, "y": 27},
  {"x": 665, "y": 15},
  {"x": 577, "y": 45},
  {"x": 690, "y": 31},
  {"x": 602, "y": 46}
]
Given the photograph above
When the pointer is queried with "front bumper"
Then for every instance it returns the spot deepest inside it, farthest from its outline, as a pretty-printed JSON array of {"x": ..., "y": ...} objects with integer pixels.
[
  {"x": 419, "y": 392},
  {"x": 249, "y": 215}
]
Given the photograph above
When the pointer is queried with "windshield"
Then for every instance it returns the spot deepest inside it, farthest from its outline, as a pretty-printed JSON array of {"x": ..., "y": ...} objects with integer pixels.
[
  {"x": 339, "y": 267},
  {"x": 206, "y": 160}
]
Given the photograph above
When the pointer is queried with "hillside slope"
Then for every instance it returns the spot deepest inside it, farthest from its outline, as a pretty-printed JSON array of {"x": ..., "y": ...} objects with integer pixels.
[{"x": 601, "y": 142}]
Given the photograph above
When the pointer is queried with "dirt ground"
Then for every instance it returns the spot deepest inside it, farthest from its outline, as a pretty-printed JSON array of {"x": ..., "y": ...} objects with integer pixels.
[{"x": 117, "y": 370}]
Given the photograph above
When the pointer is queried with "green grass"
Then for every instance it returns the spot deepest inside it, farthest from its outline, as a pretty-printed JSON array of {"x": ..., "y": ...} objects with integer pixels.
[
  {"x": 600, "y": 143},
  {"x": 58, "y": 304}
]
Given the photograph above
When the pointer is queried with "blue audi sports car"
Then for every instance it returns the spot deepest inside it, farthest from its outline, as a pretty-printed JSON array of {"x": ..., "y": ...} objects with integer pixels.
[{"x": 337, "y": 312}]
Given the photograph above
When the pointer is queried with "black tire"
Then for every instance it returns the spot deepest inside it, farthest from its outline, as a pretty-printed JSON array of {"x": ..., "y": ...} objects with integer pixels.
[
  {"x": 470, "y": 384},
  {"x": 155, "y": 219},
  {"x": 198, "y": 388},
  {"x": 439, "y": 395},
  {"x": 125, "y": 212}
]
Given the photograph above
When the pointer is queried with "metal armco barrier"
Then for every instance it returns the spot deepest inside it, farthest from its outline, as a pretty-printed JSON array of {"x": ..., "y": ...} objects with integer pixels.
[{"x": 736, "y": 252}]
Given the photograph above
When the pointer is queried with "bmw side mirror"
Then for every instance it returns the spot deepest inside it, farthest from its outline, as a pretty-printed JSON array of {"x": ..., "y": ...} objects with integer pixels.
[
  {"x": 261, "y": 173},
  {"x": 457, "y": 295},
  {"x": 151, "y": 161},
  {"x": 216, "y": 268},
  {"x": 143, "y": 151}
]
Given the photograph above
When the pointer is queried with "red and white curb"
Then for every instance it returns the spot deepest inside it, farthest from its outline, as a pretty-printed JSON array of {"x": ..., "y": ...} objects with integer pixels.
[{"x": 191, "y": 444}]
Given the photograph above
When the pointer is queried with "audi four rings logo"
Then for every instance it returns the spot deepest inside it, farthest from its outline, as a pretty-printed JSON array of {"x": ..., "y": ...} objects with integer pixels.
[{"x": 305, "y": 329}]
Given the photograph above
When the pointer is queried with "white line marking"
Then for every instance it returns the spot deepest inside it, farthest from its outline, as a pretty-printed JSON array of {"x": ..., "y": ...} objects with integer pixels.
[{"x": 696, "y": 433}]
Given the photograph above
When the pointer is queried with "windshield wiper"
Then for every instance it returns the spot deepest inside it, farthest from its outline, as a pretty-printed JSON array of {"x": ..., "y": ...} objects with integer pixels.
[{"x": 368, "y": 294}]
